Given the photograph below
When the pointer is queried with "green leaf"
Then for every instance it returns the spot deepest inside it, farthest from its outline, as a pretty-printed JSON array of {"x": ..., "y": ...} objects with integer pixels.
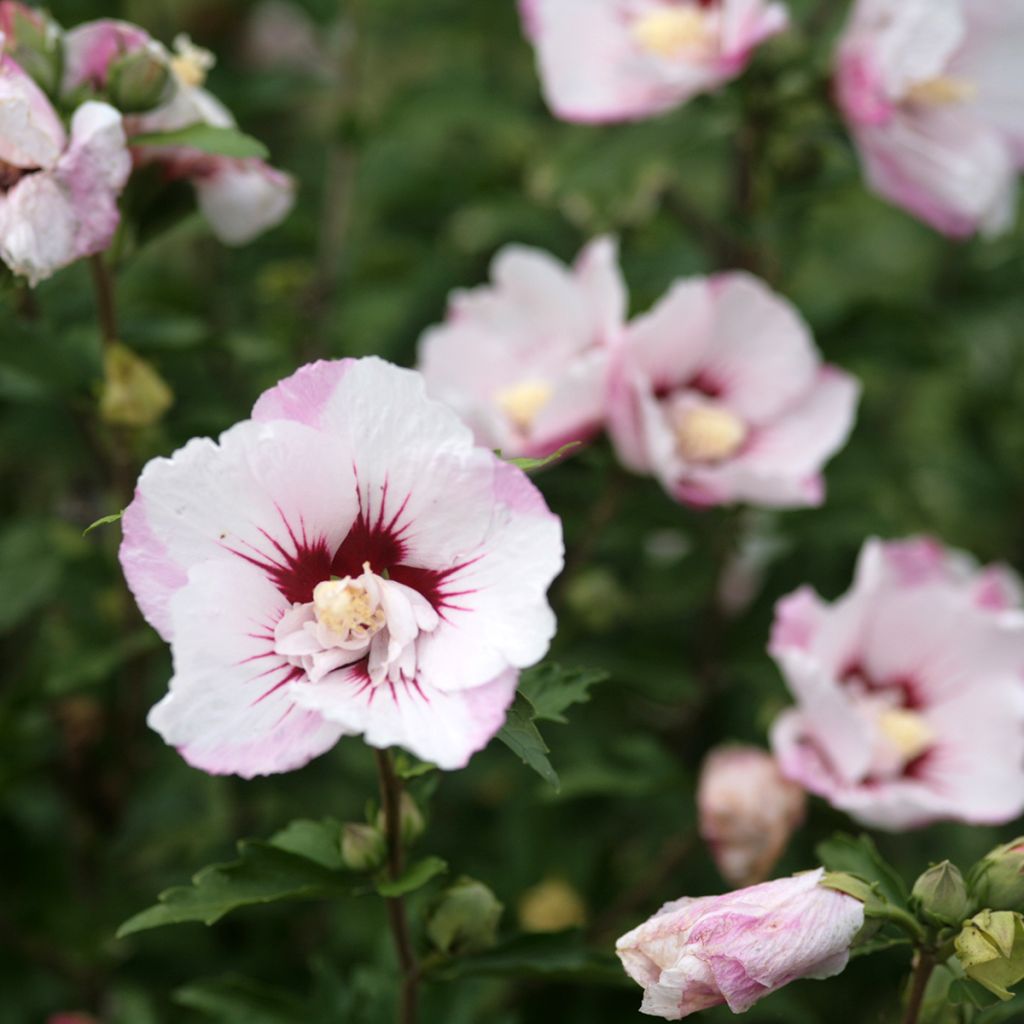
[
  {"x": 264, "y": 873},
  {"x": 523, "y": 738},
  {"x": 528, "y": 465},
  {"x": 236, "y": 1000},
  {"x": 860, "y": 857},
  {"x": 414, "y": 877},
  {"x": 207, "y": 139},
  {"x": 551, "y": 689},
  {"x": 104, "y": 521},
  {"x": 318, "y": 841},
  {"x": 30, "y": 567},
  {"x": 552, "y": 957}
]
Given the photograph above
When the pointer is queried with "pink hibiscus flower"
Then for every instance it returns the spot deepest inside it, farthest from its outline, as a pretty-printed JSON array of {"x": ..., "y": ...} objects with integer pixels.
[
  {"x": 344, "y": 562},
  {"x": 933, "y": 91},
  {"x": 523, "y": 361},
  {"x": 619, "y": 60},
  {"x": 58, "y": 192},
  {"x": 720, "y": 393},
  {"x": 909, "y": 689}
]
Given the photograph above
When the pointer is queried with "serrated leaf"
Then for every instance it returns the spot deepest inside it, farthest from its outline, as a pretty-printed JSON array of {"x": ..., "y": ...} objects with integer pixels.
[
  {"x": 550, "y": 688},
  {"x": 264, "y": 873},
  {"x": 528, "y": 465},
  {"x": 207, "y": 139},
  {"x": 860, "y": 857},
  {"x": 319, "y": 841},
  {"x": 523, "y": 738},
  {"x": 414, "y": 877}
]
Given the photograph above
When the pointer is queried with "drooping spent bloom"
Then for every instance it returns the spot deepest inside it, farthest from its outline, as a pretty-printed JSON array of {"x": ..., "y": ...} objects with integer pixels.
[
  {"x": 740, "y": 947},
  {"x": 524, "y": 360},
  {"x": 933, "y": 92},
  {"x": 240, "y": 198},
  {"x": 747, "y": 811},
  {"x": 910, "y": 700},
  {"x": 344, "y": 562},
  {"x": 621, "y": 60},
  {"x": 720, "y": 393},
  {"x": 58, "y": 190}
]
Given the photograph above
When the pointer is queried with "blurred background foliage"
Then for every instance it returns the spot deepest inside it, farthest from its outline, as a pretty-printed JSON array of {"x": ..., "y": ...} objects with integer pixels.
[{"x": 421, "y": 145}]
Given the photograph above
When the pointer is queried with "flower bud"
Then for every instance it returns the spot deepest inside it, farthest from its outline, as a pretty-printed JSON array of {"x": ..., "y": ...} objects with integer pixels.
[
  {"x": 362, "y": 847},
  {"x": 997, "y": 880},
  {"x": 465, "y": 920},
  {"x": 942, "y": 894},
  {"x": 35, "y": 42},
  {"x": 139, "y": 81},
  {"x": 551, "y": 906},
  {"x": 747, "y": 812},
  {"x": 411, "y": 818},
  {"x": 134, "y": 394},
  {"x": 991, "y": 950}
]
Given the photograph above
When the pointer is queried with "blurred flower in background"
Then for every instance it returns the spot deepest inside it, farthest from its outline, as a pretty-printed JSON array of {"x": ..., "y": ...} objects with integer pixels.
[
  {"x": 720, "y": 393},
  {"x": 910, "y": 707},
  {"x": 934, "y": 96},
  {"x": 748, "y": 811},
  {"x": 619, "y": 60},
  {"x": 524, "y": 361}
]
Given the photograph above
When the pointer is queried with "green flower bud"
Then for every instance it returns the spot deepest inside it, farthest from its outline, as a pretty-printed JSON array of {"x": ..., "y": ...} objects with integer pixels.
[
  {"x": 34, "y": 41},
  {"x": 133, "y": 394},
  {"x": 362, "y": 847},
  {"x": 140, "y": 81},
  {"x": 991, "y": 950},
  {"x": 997, "y": 880},
  {"x": 411, "y": 818},
  {"x": 941, "y": 894},
  {"x": 465, "y": 919}
]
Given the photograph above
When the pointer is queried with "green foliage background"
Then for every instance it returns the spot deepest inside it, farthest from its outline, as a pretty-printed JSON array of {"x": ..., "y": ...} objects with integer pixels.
[{"x": 422, "y": 148}]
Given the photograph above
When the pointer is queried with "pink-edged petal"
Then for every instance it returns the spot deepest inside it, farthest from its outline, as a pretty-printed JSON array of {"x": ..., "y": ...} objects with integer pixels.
[
  {"x": 745, "y": 25},
  {"x": 302, "y": 396},
  {"x": 576, "y": 408},
  {"x": 944, "y": 167},
  {"x": 497, "y": 613},
  {"x": 269, "y": 494},
  {"x": 229, "y": 709},
  {"x": 243, "y": 198},
  {"x": 598, "y": 273},
  {"x": 31, "y": 133},
  {"x": 798, "y": 619},
  {"x": 762, "y": 356},
  {"x": 441, "y": 727}
]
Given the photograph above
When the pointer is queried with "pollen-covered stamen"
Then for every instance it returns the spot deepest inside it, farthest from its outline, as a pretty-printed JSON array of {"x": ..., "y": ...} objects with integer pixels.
[
  {"x": 347, "y": 609},
  {"x": 522, "y": 403},
  {"x": 190, "y": 63},
  {"x": 906, "y": 732},
  {"x": 942, "y": 91},
  {"x": 708, "y": 433},
  {"x": 675, "y": 32}
]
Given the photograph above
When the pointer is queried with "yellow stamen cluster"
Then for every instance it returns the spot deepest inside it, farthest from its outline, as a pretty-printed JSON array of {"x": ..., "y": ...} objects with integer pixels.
[
  {"x": 674, "y": 32},
  {"x": 522, "y": 403},
  {"x": 190, "y": 63},
  {"x": 942, "y": 91},
  {"x": 345, "y": 608},
  {"x": 708, "y": 433},
  {"x": 906, "y": 731}
]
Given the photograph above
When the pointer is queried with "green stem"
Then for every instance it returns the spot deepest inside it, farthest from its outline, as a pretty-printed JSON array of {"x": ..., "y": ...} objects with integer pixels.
[
  {"x": 924, "y": 964},
  {"x": 391, "y": 796},
  {"x": 106, "y": 309}
]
